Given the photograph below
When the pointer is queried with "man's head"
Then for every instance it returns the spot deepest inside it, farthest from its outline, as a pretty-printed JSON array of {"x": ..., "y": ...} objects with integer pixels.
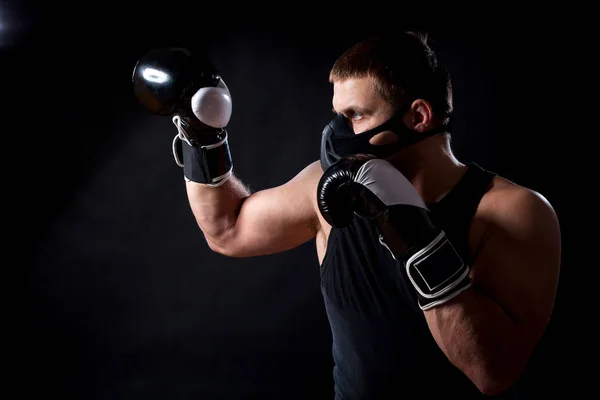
[{"x": 394, "y": 80}]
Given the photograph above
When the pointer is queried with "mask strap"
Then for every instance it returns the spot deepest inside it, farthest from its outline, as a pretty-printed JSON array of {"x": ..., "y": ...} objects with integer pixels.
[{"x": 396, "y": 125}]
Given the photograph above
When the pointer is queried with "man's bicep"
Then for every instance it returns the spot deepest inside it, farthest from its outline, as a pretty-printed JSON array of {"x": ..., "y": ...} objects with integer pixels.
[
  {"x": 518, "y": 266},
  {"x": 279, "y": 218}
]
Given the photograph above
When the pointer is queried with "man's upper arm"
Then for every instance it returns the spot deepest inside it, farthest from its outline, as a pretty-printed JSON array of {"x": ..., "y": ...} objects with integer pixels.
[
  {"x": 277, "y": 219},
  {"x": 518, "y": 265}
]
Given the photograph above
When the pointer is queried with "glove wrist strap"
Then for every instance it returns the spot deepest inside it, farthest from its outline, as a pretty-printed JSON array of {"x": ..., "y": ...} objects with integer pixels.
[
  {"x": 208, "y": 164},
  {"x": 437, "y": 273}
]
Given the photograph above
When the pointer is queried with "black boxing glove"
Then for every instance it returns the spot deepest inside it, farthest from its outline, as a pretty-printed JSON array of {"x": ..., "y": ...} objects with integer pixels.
[
  {"x": 373, "y": 189},
  {"x": 185, "y": 85}
]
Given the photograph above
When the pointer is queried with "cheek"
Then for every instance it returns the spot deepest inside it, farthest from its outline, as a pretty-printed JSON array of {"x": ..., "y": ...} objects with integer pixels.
[{"x": 382, "y": 138}]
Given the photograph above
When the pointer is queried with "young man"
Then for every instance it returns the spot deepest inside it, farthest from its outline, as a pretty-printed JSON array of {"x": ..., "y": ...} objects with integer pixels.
[{"x": 438, "y": 277}]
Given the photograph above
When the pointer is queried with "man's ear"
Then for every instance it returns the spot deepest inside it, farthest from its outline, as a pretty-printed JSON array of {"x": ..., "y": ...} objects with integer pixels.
[{"x": 422, "y": 115}]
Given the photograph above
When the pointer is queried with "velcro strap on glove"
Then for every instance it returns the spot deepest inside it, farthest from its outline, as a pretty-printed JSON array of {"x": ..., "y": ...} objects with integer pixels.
[
  {"x": 209, "y": 164},
  {"x": 438, "y": 273}
]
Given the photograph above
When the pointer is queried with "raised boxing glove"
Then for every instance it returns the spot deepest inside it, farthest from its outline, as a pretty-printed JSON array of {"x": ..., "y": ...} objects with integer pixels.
[{"x": 185, "y": 85}]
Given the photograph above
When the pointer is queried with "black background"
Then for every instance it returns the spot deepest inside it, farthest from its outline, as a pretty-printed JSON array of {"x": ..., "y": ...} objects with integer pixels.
[{"x": 127, "y": 300}]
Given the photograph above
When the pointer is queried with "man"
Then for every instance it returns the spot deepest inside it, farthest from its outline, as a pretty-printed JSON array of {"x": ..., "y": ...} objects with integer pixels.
[{"x": 438, "y": 277}]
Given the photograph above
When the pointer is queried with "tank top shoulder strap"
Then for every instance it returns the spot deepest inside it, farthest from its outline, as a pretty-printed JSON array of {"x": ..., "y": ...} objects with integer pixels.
[
  {"x": 454, "y": 212},
  {"x": 468, "y": 191}
]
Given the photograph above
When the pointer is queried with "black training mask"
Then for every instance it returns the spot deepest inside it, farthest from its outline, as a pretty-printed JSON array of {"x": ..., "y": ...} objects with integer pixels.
[{"x": 338, "y": 140}]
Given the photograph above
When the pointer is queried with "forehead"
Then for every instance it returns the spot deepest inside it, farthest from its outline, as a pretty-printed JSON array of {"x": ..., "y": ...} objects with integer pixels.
[{"x": 355, "y": 93}]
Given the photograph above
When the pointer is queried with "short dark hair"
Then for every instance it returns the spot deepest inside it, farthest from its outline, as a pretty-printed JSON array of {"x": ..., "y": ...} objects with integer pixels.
[{"x": 404, "y": 68}]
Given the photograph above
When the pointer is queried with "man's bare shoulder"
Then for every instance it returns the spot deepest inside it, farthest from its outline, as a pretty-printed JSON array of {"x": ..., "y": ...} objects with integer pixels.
[
  {"x": 308, "y": 179},
  {"x": 311, "y": 175},
  {"x": 515, "y": 210},
  {"x": 507, "y": 199},
  {"x": 313, "y": 172},
  {"x": 304, "y": 186}
]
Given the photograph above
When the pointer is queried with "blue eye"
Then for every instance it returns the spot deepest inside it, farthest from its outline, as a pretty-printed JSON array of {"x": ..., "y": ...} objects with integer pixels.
[{"x": 356, "y": 116}]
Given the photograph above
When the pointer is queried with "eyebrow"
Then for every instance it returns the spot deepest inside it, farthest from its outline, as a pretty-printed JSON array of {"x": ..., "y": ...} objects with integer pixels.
[{"x": 360, "y": 110}]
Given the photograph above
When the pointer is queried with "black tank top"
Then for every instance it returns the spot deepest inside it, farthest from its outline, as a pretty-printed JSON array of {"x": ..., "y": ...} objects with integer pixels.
[{"x": 382, "y": 346}]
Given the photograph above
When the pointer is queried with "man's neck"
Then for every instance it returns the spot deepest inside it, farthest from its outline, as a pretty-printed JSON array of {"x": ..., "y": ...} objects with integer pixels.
[{"x": 431, "y": 167}]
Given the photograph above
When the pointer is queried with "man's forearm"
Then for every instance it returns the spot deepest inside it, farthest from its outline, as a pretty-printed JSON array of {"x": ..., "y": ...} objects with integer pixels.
[
  {"x": 480, "y": 339},
  {"x": 216, "y": 208}
]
